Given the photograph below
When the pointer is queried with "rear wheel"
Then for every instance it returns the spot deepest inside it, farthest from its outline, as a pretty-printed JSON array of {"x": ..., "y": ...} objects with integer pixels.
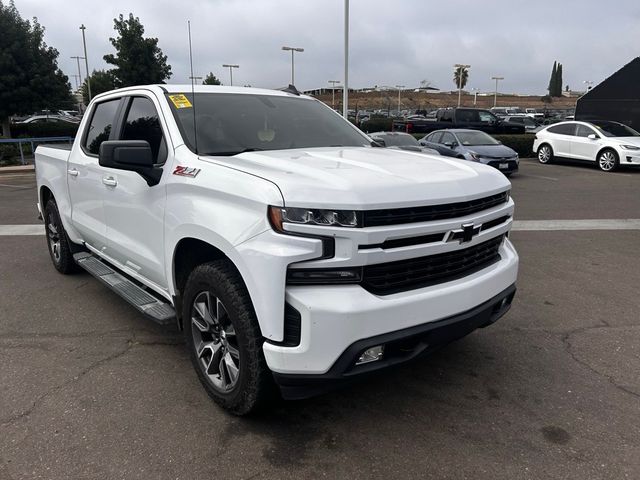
[
  {"x": 224, "y": 340},
  {"x": 545, "y": 153},
  {"x": 608, "y": 160},
  {"x": 57, "y": 240}
]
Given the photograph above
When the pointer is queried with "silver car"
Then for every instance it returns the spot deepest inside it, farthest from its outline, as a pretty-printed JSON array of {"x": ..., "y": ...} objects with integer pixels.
[{"x": 476, "y": 146}]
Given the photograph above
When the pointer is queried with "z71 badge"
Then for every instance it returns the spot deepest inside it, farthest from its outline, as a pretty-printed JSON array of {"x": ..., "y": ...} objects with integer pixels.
[{"x": 186, "y": 171}]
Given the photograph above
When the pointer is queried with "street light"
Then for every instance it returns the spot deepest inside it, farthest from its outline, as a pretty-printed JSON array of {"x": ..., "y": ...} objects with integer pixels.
[
  {"x": 399, "y": 87},
  {"x": 86, "y": 62},
  {"x": 475, "y": 95},
  {"x": 230, "y": 67},
  {"x": 345, "y": 88},
  {"x": 292, "y": 50},
  {"x": 460, "y": 67},
  {"x": 333, "y": 92},
  {"x": 495, "y": 93},
  {"x": 79, "y": 73}
]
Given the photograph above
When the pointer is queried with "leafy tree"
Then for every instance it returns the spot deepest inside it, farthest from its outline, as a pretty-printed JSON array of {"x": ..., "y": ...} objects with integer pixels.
[
  {"x": 552, "y": 81},
  {"x": 29, "y": 75},
  {"x": 138, "y": 60},
  {"x": 211, "y": 79},
  {"x": 101, "y": 81},
  {"x": 460, "y": 81}
]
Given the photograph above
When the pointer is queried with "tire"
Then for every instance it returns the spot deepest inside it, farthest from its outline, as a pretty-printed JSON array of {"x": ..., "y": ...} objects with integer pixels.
[
  {"x": 224, "y": 340},
  {"x": 608, "y": 160},
  {"x": 545, "y": 153},
  {"x": 57, "y": 240}
]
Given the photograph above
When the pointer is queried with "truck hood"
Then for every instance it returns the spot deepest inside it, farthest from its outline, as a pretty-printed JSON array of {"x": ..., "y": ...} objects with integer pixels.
[{"x": 366, "y": 178}]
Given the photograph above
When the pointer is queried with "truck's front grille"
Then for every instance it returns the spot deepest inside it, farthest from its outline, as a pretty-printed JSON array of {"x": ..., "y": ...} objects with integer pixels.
[
  {"x": 396, "y": 216},
  {"x": 394, "y": 277}
]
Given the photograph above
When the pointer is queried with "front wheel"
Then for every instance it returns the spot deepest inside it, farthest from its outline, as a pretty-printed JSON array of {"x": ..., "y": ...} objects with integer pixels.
[
  {"x": 545, "y": 154},
  {"x": 224, "y": 340},
  {"x": 608, "y": 160}
]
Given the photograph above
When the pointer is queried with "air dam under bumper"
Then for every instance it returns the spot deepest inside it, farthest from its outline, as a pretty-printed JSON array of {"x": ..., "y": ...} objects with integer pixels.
[{"x": 399, "y": 347}]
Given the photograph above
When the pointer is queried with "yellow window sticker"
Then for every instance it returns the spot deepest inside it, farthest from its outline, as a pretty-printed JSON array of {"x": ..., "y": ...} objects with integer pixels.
[{"x": 180, "y": 101}]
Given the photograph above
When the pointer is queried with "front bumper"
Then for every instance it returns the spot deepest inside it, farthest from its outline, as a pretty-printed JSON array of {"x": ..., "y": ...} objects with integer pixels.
[
  {"x": 400, "y": 346},
  {"x": 505, "y": 166},
  {"x": 333, "y": 317}
]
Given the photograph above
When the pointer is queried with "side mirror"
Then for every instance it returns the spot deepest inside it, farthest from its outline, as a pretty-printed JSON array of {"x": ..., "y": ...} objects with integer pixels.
[
  {"x": 592, "y": 136},
  {"x": 132, "y": 155},
  {"x": 378, "y": 142},
  {"x": 448, "y": 144}
]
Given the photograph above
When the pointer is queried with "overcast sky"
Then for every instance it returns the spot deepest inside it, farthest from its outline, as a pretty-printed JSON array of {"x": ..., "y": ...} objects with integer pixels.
[{"x": 391, "y": 42}]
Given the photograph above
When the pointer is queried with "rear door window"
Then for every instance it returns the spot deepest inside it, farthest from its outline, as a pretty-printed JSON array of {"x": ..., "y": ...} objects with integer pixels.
[
  {"x": 100, "y": 126},
  {"x": 564, "y": 129}
]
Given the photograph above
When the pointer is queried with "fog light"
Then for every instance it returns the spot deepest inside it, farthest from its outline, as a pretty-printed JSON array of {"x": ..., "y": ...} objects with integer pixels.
[{"x": 372, "y": 354}]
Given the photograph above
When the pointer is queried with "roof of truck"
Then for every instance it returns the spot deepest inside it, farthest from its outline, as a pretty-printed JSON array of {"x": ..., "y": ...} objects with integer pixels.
[{"x": 186, "y": 88}]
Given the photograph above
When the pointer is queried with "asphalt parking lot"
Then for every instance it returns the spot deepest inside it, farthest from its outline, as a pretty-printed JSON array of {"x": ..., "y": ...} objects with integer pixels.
[{"x": 90, "y": 389}]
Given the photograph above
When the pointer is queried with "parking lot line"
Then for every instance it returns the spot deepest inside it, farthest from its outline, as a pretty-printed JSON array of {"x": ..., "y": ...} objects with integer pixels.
[
  {"x": 596, "y": 224},
  {"x": 14, "y": 230}
]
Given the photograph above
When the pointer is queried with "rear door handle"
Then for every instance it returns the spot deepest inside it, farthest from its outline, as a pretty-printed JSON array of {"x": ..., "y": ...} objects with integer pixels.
[
  {"x": 109, "y": 181},
  {"x": 73, "y": 172}
]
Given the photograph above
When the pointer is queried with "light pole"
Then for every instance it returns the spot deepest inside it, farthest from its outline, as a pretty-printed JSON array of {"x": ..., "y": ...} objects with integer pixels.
[
  {"x": 399, "y": 87},
  {"x": 460, "y": 67},
  {"x": 86, "y": 62},
  {"x": 475, "y": 95},
  {"x": 345, "y": 88},
  {"x": 79, "y": 73},
  {"x": 495, "y": 93},
  {"x": 292, "y": 50},
  {"x": 333, "y": 92},
  {"x": 230, "y": 67}
]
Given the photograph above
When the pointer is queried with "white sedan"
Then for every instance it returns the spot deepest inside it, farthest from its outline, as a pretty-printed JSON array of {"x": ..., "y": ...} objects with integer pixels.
[{"x": 609, "y": 144}]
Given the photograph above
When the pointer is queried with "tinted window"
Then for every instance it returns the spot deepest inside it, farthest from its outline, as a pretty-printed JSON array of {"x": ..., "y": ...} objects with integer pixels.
[
  {"x": 229, "y": 124},
  {"x": 467, "y": 116},
  {"x": 142, "y": 123},
  {"x": 100, "y": 126},
  {"x": 563, "y": 129},
  {"x": 516, "y": 119},
  {"x": 435, "y": 137},
  {"x": 584, "y": 131},
  {"x": 447, "y": 138},
  {"x": 487, "y": 117},
  {"x": 615, "y": 129}
]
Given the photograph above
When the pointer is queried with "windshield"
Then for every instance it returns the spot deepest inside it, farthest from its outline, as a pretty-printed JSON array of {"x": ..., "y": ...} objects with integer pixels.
[
  {"x": 614, "y": 129},
  {"x": 229, "y": 124},
  {"x": 476, "y": 138},
  {"x": 398, "y": 140}
]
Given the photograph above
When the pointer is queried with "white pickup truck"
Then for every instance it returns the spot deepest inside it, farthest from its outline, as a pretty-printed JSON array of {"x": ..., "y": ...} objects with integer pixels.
[{"x": 291, "y": 251}]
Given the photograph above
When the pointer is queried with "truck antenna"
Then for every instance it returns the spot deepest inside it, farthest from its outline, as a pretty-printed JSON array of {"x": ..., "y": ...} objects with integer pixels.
[{"x": 193, "y": 93}]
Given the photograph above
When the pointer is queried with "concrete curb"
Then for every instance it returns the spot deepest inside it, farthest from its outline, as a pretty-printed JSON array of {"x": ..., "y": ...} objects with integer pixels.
[{"x": 17, "y": 169}]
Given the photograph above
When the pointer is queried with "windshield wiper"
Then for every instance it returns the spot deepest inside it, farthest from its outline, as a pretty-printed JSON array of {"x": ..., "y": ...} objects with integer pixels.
[{"x": 231, "y": 153}]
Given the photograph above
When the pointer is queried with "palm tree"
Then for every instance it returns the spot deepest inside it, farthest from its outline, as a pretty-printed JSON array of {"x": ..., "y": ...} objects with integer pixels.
[{"x": 461, "y": 81}]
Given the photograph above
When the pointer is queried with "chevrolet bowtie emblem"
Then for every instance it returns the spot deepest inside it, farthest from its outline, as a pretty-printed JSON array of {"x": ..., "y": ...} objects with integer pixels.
[{"x": 464, "y": 234}]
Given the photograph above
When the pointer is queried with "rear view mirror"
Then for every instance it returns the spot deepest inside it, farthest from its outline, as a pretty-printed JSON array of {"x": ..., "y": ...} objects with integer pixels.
[{"x": 132, "y": 155}]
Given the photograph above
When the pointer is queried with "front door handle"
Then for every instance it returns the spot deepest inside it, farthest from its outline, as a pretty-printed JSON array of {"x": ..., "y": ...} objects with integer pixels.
[
  {"x": 73, "y": 172},
  {"x": 109, "y": 181}
]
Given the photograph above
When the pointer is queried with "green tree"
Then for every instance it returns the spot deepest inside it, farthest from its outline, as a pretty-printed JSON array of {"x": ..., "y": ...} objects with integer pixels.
[
  {"x": 460, "y": 81},
  {"x": 101, "y": 81},
  {"x": 138, "y": 60},
  {"x": 211, "y": 79},
  {"x": 552, "y": 81},
  {"x": 558, "y": 90},
  {"x": 29, "y": 75}
]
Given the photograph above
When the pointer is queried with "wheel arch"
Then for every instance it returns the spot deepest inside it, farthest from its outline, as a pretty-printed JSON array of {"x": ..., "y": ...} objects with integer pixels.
[{"x": 604, "y": 149}]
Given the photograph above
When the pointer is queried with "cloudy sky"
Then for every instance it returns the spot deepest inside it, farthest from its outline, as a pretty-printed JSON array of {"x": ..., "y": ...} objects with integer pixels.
[{"x": 391, "y": 42}]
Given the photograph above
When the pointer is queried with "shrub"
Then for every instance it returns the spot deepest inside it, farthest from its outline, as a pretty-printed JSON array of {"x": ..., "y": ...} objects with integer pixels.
[
  {"x": 44, "y": 129},
  {"x": 523, "y": 144}
]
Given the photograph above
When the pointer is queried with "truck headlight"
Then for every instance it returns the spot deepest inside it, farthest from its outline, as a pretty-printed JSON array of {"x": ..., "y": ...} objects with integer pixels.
[{"x": 313, "y": 216}]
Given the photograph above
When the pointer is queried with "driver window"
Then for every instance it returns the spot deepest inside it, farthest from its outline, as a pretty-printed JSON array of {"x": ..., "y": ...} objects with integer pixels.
[
  {"x": 584, "y": 131},
  {"x": 486, "y": 117},
  {"x": 142, "y": 123},
  {"x": 447, "y": 138}
]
